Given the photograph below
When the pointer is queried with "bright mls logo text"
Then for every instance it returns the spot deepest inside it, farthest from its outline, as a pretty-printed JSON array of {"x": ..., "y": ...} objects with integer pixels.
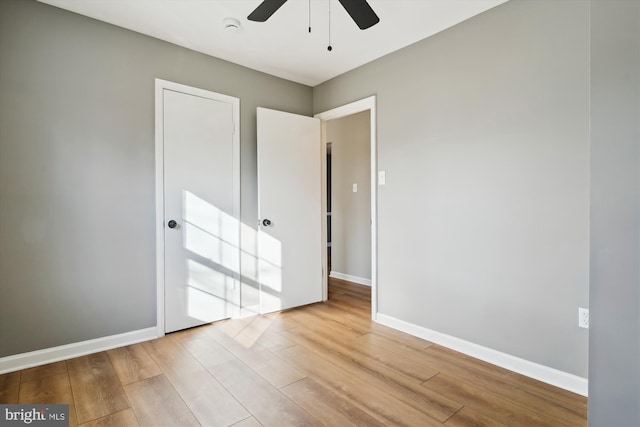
[{"x": 39, "y": 415}]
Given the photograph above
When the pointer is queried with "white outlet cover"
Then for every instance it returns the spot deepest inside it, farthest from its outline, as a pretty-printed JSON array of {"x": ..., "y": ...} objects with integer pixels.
[
  {"x": 382, "y": 178},
  {"x": 583, "y": 317}
]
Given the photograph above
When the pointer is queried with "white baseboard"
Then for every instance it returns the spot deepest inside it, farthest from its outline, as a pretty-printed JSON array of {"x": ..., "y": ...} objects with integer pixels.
[
  {"x": 350, "y": 278},
  {"x": 534, "y": 370},
  {"x": 68, "y": 351}
]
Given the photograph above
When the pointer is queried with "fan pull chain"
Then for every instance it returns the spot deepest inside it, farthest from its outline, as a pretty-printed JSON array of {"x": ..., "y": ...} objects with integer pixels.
[
  {"x": 309, "y": 16},
  {"x": 329, "y": 48}
]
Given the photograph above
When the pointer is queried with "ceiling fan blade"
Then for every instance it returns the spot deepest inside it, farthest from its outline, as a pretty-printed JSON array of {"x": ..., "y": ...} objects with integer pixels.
[
  {"x": 265, "y": 10},
  {"x": 361, "y": 13}
]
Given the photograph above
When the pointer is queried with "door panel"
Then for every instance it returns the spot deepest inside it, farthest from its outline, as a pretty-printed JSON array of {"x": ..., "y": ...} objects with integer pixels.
[
  {"x": 289, "y": 193},
  {"x": 201, "y": 252}
]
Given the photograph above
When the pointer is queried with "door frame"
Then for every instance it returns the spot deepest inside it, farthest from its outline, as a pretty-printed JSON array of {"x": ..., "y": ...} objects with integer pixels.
[
  {"x": 160, "y": 86},
  {"x": 336, "y": 113}
]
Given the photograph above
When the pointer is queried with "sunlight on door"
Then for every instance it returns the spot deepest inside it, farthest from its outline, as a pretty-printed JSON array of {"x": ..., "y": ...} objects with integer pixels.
[
  {"x": 211, "y": 239},
  {"x": 270, "y": 268},
  {"x": 213, "y": 266}
]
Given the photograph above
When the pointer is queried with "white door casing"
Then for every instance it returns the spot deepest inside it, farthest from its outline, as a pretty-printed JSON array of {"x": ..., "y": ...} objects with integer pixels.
[
  {"x": 197, "y": 186},
  {"x": 290, "y": 269}
]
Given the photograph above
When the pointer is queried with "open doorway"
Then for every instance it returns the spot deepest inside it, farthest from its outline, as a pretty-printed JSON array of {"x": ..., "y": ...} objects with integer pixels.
[
  {"x": 349, "y": 180},
  {"x": 349, "y": 198}
]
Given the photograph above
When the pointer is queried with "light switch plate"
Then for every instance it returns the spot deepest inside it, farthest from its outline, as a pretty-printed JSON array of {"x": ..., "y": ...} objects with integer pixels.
[
  {"x": 382, "y": 178},
  {"x": 355, "y": 188}
]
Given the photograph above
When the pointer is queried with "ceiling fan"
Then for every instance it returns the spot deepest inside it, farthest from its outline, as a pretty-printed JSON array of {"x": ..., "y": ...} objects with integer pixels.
[{"x": 359, "y": 10}]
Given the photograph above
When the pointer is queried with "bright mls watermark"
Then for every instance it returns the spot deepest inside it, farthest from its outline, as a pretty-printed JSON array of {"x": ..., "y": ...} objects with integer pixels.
[{"x": 34, "y": 415}]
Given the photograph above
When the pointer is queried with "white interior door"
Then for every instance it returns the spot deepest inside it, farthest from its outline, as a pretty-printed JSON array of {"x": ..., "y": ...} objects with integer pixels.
[
  {"x": 201, "y": 234},
  {"x": 289, "y": 208}
]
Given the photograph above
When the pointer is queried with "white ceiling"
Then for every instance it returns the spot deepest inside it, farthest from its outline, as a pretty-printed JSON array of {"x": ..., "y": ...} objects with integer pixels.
[{"x": 282, "y": 46}]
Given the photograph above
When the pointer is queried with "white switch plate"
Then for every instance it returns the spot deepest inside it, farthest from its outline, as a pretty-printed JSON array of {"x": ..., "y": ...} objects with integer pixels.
[
  {"x": 382, "y": 178},
  {"x": 355, "y": 188}
]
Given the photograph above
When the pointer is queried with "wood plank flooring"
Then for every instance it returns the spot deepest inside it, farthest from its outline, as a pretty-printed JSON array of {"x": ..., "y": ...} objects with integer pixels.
[{"x": 323, "y": 364}]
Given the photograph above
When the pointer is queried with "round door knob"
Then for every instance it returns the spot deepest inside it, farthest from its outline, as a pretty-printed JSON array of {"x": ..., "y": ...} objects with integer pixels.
[
  {"x": 172, "y": 224},
  {"x": 266, "y": 222}
]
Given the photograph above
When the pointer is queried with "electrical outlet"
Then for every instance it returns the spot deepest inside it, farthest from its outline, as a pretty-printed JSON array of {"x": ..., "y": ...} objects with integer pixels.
[{"x": 583, "y": 317}]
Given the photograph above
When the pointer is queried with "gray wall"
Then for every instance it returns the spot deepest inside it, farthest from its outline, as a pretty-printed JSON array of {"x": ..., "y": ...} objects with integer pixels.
[
  {"x": 350, "y": 139},
  {"x": 614, "y": 342},
  {"x": 77, "y": 209},
  {"x": 483, "y": 221}
]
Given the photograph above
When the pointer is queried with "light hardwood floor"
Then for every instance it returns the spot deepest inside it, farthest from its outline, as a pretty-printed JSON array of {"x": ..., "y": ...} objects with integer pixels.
[{"x": 323, "y": 364}]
